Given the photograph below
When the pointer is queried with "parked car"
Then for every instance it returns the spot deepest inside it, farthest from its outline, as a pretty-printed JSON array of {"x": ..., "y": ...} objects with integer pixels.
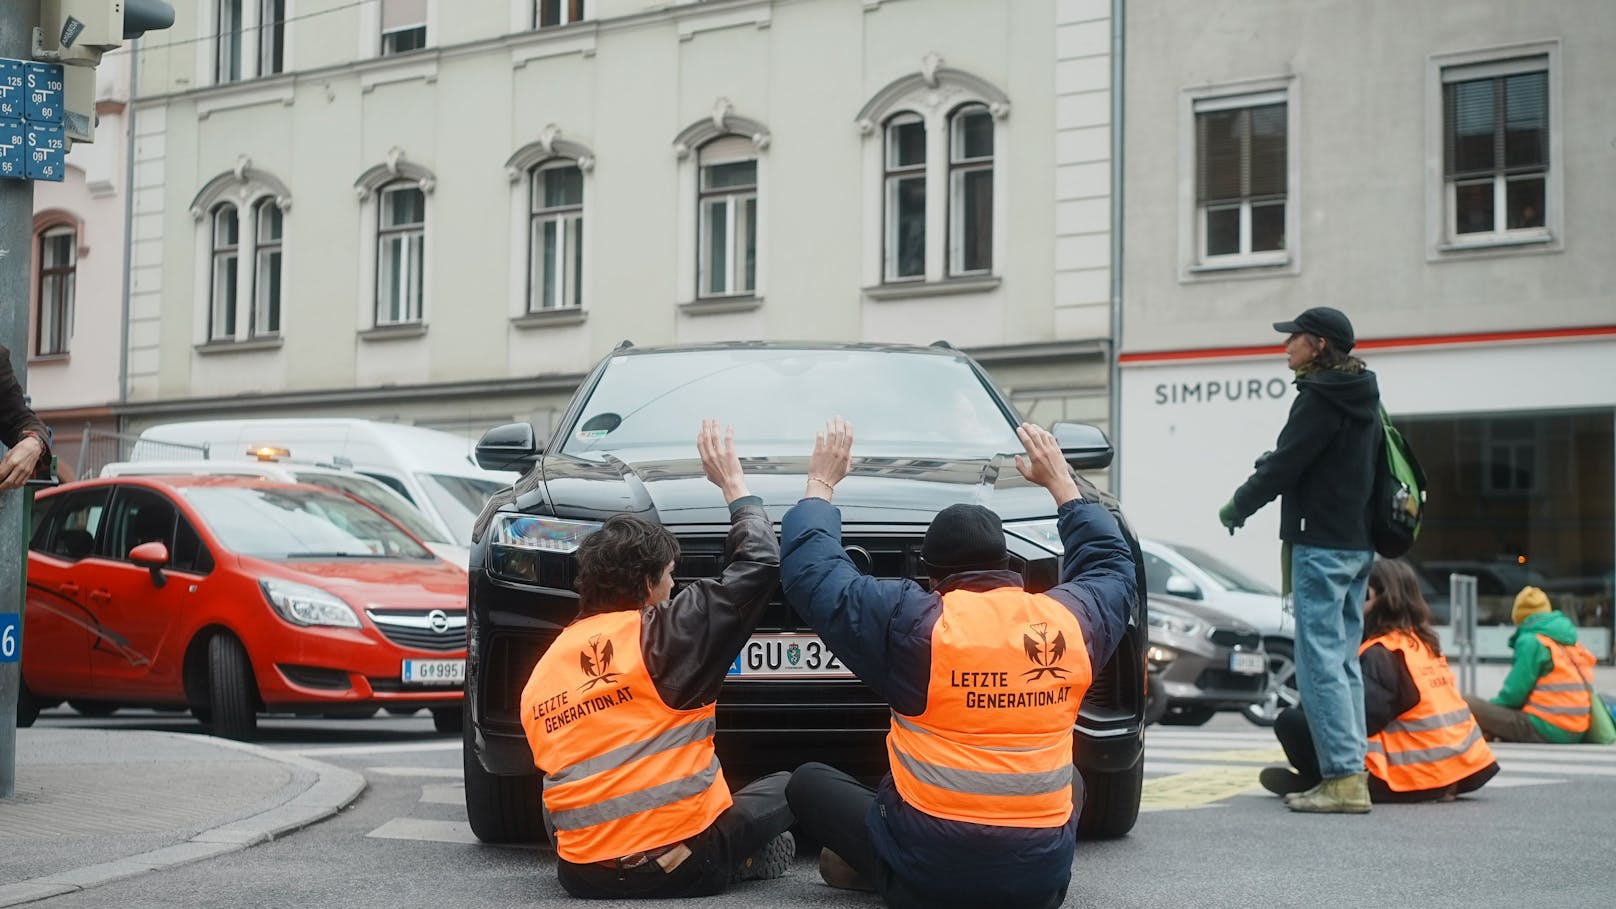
[
  {"x": 432, "y": 470},
  {"x": 1497, "y": 583},
  {"x": 1201, "y": 661},
  {"x": 932, "y": 431},
  {"x": 1187, "y": 572},
  {"x": 275, "y": 466},
  {"x": 232, "y": 596}
]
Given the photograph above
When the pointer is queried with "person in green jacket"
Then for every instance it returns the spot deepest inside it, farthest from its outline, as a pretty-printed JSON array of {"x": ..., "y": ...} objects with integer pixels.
[{"x": 1502, "y": 718}]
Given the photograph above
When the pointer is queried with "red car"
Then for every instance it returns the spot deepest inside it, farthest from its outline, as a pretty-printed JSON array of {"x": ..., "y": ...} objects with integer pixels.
[{"x": 233, "y": 596}]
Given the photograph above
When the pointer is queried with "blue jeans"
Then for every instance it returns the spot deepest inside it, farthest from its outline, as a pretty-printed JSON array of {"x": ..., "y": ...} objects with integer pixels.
[{"x": 1328, "y": 589}]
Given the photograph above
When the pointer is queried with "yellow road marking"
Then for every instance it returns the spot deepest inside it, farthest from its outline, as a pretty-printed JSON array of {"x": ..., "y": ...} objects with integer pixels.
[
  {"x": 1247, "y": 756},
  {"x": 1198, "y": 787}
]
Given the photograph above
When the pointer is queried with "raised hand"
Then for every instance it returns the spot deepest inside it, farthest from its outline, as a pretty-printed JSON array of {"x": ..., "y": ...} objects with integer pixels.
[
  {"x": 1043, "y": 464},
  {"x": 831, "y": 460},
  {"x": 718, "y": 459}
]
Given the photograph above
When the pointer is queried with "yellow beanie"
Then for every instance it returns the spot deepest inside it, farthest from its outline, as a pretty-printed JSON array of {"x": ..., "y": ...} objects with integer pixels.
[{"x": 1530, "y": 601}]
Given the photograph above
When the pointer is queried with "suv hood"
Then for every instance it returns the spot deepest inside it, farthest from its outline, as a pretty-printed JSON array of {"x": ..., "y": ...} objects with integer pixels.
[{"x": 674, "y": 490}]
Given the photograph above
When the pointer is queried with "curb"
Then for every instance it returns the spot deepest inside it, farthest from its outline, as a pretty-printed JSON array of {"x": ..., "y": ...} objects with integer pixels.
[{"x": 334, "y": 788}]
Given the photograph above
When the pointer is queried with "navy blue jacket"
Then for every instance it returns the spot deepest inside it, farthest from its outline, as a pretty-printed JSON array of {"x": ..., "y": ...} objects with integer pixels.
[{"x": 882, "y": 630}]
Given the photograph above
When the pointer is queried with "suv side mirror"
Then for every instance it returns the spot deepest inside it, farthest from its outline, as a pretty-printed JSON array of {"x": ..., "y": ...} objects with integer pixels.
[
  {"x": 152, "y": 557},
  {"x": 512, "y": 446},
  {"x": 1084, "y": 446},
  {"x": 1180, "y": 586}
]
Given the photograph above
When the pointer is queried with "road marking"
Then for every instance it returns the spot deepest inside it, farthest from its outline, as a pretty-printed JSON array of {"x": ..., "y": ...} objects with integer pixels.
[
  {"x": 1195, "y": 788},
  {"x": 443, "y": 773},
  {"x": 1244, "y": 756},
  {"x": 444, "y": 794},
  {"x": 408, "y": 828},
  {"x": 334, "y": 750}
]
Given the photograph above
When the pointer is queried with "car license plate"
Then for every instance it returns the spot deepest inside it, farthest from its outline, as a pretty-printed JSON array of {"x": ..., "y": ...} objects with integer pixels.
[
  {"x": 787, "y": 656},
  {"x": 434, "y": 672},
  {"x": 1245, "y": 662}
]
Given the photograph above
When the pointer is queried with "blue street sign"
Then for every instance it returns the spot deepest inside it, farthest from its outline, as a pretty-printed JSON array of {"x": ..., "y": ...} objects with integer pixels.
[
  {"x": 13, "y": 149},
  {"x": 10, "y": 637},
  {"x": 45, "y": 93},
  {"x": 47, "y": 152},
  {"x": 13, "y": 89}
]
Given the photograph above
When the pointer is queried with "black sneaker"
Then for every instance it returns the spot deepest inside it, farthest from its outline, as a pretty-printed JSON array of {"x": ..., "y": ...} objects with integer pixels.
[
  {"x": 1282, "y": 782},
  {"x": 835, "y": 871},
  {"x": 768, "y": 863}
]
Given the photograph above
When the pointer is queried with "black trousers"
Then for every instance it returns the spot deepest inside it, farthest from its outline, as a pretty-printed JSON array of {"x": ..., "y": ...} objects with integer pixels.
[
  {"x": 831, "y": 808},
  {"x": 758, "y": 815},
  {"x": 1291, "y": 730}
]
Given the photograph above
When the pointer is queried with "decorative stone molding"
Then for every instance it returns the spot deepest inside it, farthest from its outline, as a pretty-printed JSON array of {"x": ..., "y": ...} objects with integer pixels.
[
  {"x": 393, "y": 169},
  {"x": 240, "y": 186},
  {"x": 61, "y": 217},
  {"x": 933, "y": 89},
  {"x": 548, "y": 145},
  {"x": 721, "y": 122}
]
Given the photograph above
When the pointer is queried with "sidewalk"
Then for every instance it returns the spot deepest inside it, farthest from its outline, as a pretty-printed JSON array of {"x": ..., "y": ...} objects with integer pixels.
[
  {"x": 94, "y": 806},
  {"x": 1490, "y": 677}
]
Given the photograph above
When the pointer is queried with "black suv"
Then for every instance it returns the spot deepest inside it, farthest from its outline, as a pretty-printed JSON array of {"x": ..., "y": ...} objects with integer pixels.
[{"x": 932, "y": 430}]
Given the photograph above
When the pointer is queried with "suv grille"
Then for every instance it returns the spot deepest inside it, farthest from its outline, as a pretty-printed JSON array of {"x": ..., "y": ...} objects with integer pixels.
[
  {"x": 1229, "y": 637},
  {"x": 420, "y": 629}
]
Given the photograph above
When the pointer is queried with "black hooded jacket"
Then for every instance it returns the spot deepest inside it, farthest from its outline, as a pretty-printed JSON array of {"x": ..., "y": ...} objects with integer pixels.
[{"x": 1324, "y": 462}]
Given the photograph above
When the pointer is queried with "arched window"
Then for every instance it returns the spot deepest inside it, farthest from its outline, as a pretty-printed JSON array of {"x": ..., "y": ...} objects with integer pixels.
[
  {"x": 226, "y": 248},
  {"x": 970, "y": 191},
  {"x": 555, "y": 235},
  {"x": 727, "y": 202},
  {"x": 400, "y": 253},
  {"x": 904, "y": 205},
  {"x": 241, "y": 236},
  {"x": 266, "y": 318},
  {"x": 58, "y": 267}
]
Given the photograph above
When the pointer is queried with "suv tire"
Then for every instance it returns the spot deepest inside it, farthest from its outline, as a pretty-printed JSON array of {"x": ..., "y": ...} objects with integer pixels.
[
  {"x": 93, "y": 708},
  {"x": 501, "y": 809},
  {"x": 233, "y": 694},
  {"x": 448, "y": 719},
  {"x": 1111, "y": 803}
]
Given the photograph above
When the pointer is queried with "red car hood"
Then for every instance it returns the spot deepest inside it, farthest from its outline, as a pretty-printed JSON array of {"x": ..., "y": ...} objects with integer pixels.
[{"x": 391, "y": 584}]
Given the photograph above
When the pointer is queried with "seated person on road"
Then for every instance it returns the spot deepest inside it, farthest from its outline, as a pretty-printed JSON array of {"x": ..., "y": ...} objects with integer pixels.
[
  {"x": 984, "y": 681},
  {"x": 1544, "y": 698},
  {"x": 1424, "y": 745},
  {"x": 620, "y": 711}
]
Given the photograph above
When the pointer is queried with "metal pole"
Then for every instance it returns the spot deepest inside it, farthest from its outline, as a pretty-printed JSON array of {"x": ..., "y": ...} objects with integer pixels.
[
  {"x": 1114, "y": 368},
  {"x": 16, "y": 256}
]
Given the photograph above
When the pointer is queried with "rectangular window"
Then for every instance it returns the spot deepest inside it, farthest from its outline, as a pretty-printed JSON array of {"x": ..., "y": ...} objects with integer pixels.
[
  {"x": 400, "y": 255},
  {"x": 970, "y": 191},
  {"x": 403, "y": 26},
  {"x": 905, "y": 199},
  {"x": 267, "y": 272},
  {"x": 557, "y": 237},
  {"x": 728, "y": 230},
  {"x": 226, "y": 262},
  {"x": 227, "y": 52},
  {"x": 271, "y": 37},
  {"x": 1495, "y": 147},
  {"x": 550, "y": 13},
  {"x": 58, "y": 267},
  {"x": 1242, "y": 177}
]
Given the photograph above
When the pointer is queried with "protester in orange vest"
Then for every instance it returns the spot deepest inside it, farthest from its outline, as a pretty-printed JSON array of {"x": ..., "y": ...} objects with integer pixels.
[
  {"x": 620, "y": 710},
  {"x": 1544, "y": 698},
  {"x": 984, "y": 680},
  {"x": 1424, "y": 744}
]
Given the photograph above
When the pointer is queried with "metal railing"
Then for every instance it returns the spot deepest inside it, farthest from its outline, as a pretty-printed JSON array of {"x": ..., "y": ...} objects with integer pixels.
[
  {"x": 99, "y": 447},
  {"x": 1462, "y": 605}
]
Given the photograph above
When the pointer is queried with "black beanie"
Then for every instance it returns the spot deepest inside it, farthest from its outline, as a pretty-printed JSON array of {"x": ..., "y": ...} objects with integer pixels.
[{"x": 964, "y": 537}]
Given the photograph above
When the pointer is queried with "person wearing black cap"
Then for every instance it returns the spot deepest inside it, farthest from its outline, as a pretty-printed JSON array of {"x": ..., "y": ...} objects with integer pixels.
[
  {"x": 1323, "y": 470},
  {"x": 984, "y": 681}
]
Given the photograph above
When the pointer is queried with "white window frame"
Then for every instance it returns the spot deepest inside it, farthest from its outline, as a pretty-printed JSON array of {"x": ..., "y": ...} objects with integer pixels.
[
  {"x": 1193, "y": 263},
  {"x": 240, "y": 32},
  {"x": 893, "y": 175},
  {"x": 265, "y": 251},
  {"x": 55, "y": 310},
  {"x": 412, "y": 280},
  {"x": 244, "y": 188},
  {"x": 567, "y": 282},
  {"x": 268, "y": 39},
  {"x": 1444, "y": 242},
  {"x": 958, "y": 167},
  {"x": 733, "y": 201},
  {"x": 224, "y": 295},
  {"x": 536, "y": 8},
  {"x": 689, "y": 275},
  {"x": 254, "y": 24}
]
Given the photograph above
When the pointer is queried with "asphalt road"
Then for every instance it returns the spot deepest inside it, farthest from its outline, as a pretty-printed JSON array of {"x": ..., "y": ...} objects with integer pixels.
[{"x": 1537, "y": 836}]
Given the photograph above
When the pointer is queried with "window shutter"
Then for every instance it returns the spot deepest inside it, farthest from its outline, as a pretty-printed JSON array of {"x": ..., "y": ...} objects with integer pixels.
[
  {"x": 1218, "y": 155},
  {"x": 727, "y": 149},
  {"x": 1526, "y": 121},
  {"x": 1241, "y": 153},
  {"x": 1471, "y": 112},
  {"x": 402, "y": 14},
  {"x": 1265, "y": 168}
]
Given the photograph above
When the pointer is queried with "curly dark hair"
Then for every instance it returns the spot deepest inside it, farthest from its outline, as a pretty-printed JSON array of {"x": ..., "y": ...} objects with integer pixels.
[
  {"x": 616, "y": 562},
  {"x": 1401, "y": 606}
]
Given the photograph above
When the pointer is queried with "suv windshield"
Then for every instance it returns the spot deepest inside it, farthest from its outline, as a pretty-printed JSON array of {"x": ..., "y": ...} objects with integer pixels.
[
  {"x": 900, "y": 402},
  {"x": 299, "y": 524},
  {"x": 1229, "y": 576},
  {"x": 458, "y": 500}
]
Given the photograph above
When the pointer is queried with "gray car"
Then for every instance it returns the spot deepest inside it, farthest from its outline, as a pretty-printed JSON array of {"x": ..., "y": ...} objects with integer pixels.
[{"x": 1201, "y": 661}]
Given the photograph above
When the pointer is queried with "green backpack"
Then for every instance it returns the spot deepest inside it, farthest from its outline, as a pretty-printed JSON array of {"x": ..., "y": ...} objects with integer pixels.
[{"x": 1398, "y": 500}]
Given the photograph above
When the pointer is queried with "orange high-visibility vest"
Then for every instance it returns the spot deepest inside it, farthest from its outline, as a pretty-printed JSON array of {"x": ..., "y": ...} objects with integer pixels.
[
  {"x": 623, "y": 772},
  {"x": 994, "y": 744},
  {"x": 1561, "y": 697},
  {"x": 1436, "y": 742}
]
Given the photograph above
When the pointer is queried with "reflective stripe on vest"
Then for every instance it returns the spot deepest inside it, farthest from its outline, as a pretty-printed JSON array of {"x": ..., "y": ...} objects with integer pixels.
[
  {"x": 994, "y": 744},
  {"x": 624, "y": 772},
  {"x": 1436, "y": 742},
  {"x": 1560, "y": 697}
]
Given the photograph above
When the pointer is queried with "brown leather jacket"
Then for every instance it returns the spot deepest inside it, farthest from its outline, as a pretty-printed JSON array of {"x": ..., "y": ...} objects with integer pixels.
[{"x": 16, "y": 417}]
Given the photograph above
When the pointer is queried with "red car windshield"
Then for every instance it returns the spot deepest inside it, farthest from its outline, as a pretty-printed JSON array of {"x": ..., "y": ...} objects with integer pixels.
[{"x": 299, "y": 524}]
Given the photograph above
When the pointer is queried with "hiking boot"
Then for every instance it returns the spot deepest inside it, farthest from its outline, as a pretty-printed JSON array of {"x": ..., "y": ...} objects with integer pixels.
[
  {"x": 1282, "y": 782},
  {"x": 767, "y": 863},
  {"x": 1336, "y": 795},
  {"x": 839, "y": 874}
]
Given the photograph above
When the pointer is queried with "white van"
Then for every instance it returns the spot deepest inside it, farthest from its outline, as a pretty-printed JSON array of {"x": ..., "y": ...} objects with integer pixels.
[
  {"x": 432, "y": 470},
  {"x": 374, "y": 492}
]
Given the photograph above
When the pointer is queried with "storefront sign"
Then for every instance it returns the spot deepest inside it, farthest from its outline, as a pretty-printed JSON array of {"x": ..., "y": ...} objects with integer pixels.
[{"x": 1218, "y": 391}]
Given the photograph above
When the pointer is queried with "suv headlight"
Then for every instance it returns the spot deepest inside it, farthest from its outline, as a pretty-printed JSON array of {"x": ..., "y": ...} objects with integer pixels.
[
  {"x": 1176, "y": 624},
  {"x": 301, "y": 604},
  {"x": 519, "y": 544},
  {"x": 1044, "y": 532}
]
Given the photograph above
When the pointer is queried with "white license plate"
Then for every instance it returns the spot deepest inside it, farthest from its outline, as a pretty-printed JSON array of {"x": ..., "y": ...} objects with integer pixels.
[
  {"x": 1243, "y": 662},
  {"x": 434, "y": 672},
  {"x": 787, "y": 656}
]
